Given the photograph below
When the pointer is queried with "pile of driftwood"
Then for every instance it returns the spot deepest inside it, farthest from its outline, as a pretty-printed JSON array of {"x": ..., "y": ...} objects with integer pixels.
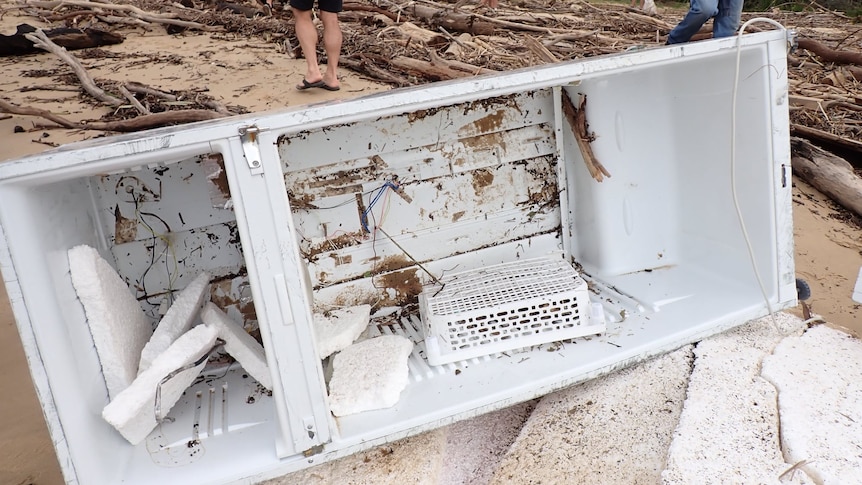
[{"x": 410, "y": 42}]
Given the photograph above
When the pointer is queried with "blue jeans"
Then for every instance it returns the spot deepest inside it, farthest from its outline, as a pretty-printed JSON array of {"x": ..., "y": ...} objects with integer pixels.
[{"x": 725, "y": 12}]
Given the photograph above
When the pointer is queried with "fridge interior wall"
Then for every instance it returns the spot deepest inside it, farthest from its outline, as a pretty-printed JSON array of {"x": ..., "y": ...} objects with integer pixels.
[
  {"x": 159, "y": 225},
  {"x": 480, "y": 179}
]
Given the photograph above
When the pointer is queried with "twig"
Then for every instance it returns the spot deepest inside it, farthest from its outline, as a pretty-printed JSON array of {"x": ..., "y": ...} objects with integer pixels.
[
  {"x": 142, "y": 89},
  {"x": 577, "y": 118},
  {"x": 143, "y": 122},
  {"x": 131, "y": 10},
  {"x": 7, "y": 107},
  {"x": 25, "y": 89},
  {"x": 792, "y": 469},
  {"x": 132, "y": 99},
  {"x": 42, "y": 41}
]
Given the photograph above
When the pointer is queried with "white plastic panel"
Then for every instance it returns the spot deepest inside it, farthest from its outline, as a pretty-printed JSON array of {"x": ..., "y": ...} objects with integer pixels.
[{"x": 491, "y": 159}]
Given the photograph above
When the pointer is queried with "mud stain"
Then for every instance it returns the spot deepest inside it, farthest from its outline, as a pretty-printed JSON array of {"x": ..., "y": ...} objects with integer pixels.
[{"x": 481, "y": 179}]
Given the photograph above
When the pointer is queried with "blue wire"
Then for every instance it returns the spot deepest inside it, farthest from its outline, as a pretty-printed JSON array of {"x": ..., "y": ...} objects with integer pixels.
[{"x": 364, "y": 219}]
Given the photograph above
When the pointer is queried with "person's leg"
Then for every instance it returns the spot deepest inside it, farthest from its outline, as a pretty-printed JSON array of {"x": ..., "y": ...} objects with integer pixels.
[
  {"x": 332, "y": 39},
  {"x": 727, "y": 21},
  {"x": 699, "y": 12},
  {"x": 306, "y": 33}
]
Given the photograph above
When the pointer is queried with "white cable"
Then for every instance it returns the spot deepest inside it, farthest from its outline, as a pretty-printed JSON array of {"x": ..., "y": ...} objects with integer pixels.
[{"x": 733, "y": 153}]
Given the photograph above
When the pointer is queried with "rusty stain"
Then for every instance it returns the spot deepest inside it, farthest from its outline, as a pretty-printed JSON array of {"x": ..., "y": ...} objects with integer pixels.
[
  {"x": 334, "y": 243},
  {"x": 218, "y": 180},
  {"x": 303, "y": 201},
  {"x": 457, "y": 215},
  {"x": 125, "y": 230},
  {"x": 481, "y": 179},
  {"x": 224, "y": 296},
  {"x": 339, "y": 260},
  {"x": 406, "y": 285},
  {"x": 378, "y": 162},
  {"x": 548, "y": 193},
  {"x": 493, "y": 103},
  {"x": 489, "y": 123},
  {"x": 391, "y": 263},
  {"x": 486, "y": 141},
  {"x": 421, "y": 114}
]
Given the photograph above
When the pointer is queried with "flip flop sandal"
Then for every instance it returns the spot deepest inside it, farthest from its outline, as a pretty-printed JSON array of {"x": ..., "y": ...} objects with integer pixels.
[{"x": 307, "y": 85}]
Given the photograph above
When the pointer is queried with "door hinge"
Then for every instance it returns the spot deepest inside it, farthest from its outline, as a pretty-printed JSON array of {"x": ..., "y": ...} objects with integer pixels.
[{"x": 250, "y": 148}]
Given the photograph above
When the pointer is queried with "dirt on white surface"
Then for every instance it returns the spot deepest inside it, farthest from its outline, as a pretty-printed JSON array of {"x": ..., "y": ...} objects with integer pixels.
[
  {"x": 818, "y": 378},
  {"x": 614, "y": 429},
  {"x": 729, "y": 428}
]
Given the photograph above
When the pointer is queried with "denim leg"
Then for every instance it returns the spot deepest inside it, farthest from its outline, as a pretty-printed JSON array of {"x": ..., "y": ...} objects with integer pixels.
[
  {"x": 699, "y": 12},
  {"x": 727, "y": 21}
]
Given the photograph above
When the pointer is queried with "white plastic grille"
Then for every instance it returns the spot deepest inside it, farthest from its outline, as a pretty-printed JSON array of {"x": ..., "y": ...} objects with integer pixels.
[{"x": 504, "y": 307}]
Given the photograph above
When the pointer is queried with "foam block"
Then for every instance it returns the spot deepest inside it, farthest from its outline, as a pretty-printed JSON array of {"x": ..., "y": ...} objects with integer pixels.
[
  {"x": 239, "y": 344},
  {"x": 132, "y": 413},
  {"x": 369, "y": 375},
  {"x": 819, "y": 381},
  {"x": 177, "y": 321},
  {"x": 117, "y": 322},
  {"x": 337, "y": 329}
]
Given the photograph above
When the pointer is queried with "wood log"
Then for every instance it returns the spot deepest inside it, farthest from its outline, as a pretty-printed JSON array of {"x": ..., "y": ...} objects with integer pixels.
[
  {"x": 362, "y": 7},
  {"x": 17, "y": 44},
  {"x": 365, "y": 65},
  {"x": 427, "y": 70},
  {"x": 450, "y": 20},
  {"x": 155, "y": 120},
  {"x": 826, "y": 138},
  {"x": 828, "y": 173},
  {"x": 458, "y": 65},
  {"x": 830, "y": 55}
]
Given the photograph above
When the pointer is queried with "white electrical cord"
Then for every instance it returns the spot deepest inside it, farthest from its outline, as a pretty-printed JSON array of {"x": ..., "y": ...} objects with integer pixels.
[{"x": 733, "y": 153}]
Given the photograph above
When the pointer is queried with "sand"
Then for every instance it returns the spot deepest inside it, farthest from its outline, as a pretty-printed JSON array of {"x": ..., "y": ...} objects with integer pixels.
[{"x": 256, "y": 75}]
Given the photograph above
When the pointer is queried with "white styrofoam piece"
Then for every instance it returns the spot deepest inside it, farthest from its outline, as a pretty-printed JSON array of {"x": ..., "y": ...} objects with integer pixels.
[
  {"x": 818, "y": 377},
  {"x": 337, "y": 329},
  {"x": 118, "y": 324},
  {"x": 475, "y": 447},
  {"x": 610, "y": 430},
  {"x": 369, "y": 375},
  {"x": 132, "y": 412},
  {"x": 729, "y": 428},
  {"x": 239, "y": 344},
  {"x": 415, "y": 460},
  {"x": 177, "y": 321},
  {"x": 857, "y": 290}
]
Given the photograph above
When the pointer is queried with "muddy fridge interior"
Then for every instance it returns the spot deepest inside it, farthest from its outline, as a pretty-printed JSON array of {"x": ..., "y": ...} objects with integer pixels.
[{"x": 380, "y": 200}]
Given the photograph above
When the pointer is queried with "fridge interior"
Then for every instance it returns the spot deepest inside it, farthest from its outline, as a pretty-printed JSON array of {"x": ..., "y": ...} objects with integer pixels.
[{"x": 461, "y": 181}]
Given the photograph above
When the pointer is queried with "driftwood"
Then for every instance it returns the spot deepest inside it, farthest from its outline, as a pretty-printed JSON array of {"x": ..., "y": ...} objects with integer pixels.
[
  {"x": 130, "y": 10},
  {"x": 42, "y": 41},
  {"x": 828, "y": 173},
  {"x": 577, "y": 118},
  {"x": 450, "y": 20},
  {"x": 439, "y": 72},
  {"x": 827, "y": 138},
  {"x": 17, "y": 44},
  {"x": 165, "y": 118},
  {"x": 830, "y": 55}
]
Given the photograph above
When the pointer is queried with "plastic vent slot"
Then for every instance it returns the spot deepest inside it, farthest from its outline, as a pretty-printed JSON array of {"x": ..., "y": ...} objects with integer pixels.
[{"x": 505, "y": 307}]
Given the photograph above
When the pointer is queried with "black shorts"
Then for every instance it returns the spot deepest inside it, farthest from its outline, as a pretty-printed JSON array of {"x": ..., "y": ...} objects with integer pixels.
[{"x": 333, "y": 6}]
